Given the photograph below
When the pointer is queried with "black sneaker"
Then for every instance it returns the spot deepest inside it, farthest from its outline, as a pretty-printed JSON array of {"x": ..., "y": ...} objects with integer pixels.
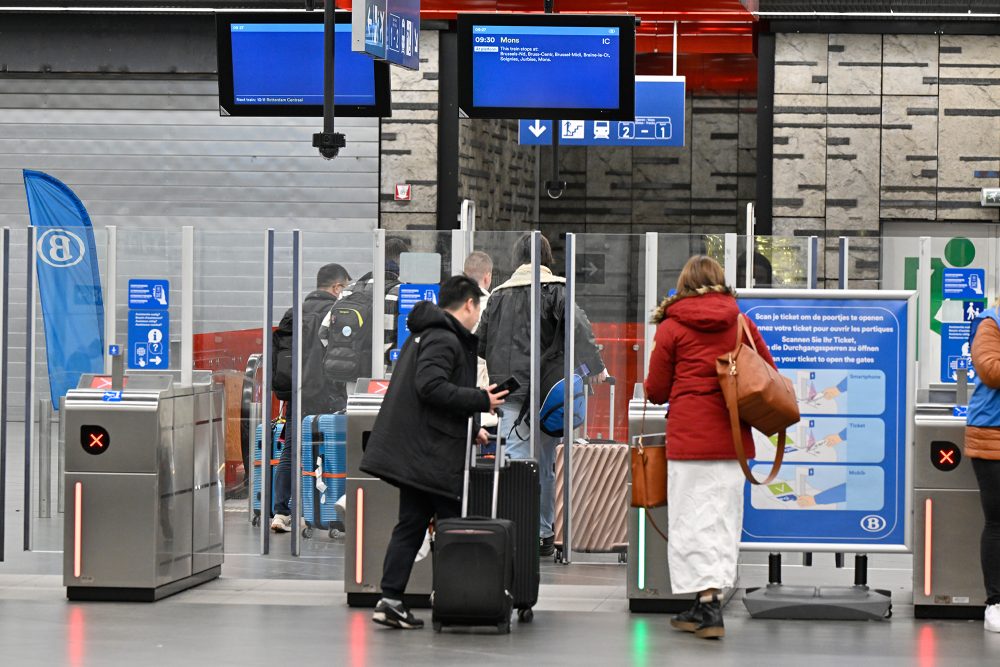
[
  {"x": 711, "y": 626},
  {"x": 546, "y": 546},
  {"x": 395, "y": 616},
  {"x": 689, "y": 620}
]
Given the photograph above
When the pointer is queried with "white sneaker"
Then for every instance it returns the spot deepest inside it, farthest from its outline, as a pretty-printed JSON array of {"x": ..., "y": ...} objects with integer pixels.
[
  {"x": 992, "y": 622},
  {"x": 281, "y": 523}
]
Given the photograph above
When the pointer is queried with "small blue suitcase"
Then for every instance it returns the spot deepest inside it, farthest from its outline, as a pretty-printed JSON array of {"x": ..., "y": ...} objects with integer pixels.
[
  {"x": 324, "y": 472},
  {"x": 277, "y": 443}
]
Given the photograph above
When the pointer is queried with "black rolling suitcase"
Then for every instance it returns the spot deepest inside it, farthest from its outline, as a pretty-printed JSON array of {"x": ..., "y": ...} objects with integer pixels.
[
  {"x": 519, "y": 501},
  {"x": 473, "y": 568}
]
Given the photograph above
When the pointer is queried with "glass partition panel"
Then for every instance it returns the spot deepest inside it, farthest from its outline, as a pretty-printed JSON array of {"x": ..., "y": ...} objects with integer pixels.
[
  {"x": 964, "y": 279},
  {"x": 675, "y": 249},
  {"x": 782, "y": 262},
  {"x": 72, "y": 301}
]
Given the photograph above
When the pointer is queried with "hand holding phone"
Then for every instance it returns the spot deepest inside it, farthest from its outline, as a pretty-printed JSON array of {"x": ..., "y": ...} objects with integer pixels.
[{"x": 509, "y": 385}]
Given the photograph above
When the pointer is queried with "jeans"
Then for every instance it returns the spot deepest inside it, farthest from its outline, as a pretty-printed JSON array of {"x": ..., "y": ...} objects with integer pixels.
[
  {"x": 519, "y": 447},
  {"x": 988, "y": 476},
  {"x": 416, "y": 509},
  {"x": 283, "y": 475}
]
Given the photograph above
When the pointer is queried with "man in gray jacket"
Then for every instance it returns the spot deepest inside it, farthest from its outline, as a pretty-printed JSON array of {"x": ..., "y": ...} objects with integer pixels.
[{"x": 505, "y": 342}]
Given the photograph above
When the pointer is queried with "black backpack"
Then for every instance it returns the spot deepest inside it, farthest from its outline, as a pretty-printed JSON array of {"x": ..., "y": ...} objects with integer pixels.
[
  {"x": 315, "y": 392},
  {"x": 346, "y": 332}
]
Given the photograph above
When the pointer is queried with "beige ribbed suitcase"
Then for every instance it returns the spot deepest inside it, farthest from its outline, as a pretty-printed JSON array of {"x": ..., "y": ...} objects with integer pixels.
[
  {"x": 600, "y": 494},
  {"x": 600, "y": 497}
]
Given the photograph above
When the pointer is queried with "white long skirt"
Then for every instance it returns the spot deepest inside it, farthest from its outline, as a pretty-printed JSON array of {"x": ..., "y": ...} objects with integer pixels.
[{"x": 705, "y": 510}]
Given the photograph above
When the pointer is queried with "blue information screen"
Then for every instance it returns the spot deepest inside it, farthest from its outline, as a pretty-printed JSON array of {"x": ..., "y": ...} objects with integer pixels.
[
  {"x": 282, "y": 64},
  {"x": 843, "y": 480},
  {"x": 554, "y": 67}
]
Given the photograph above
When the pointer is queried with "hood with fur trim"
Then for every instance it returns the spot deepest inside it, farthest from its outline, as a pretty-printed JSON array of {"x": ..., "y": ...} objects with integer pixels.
[{"x": 712, "y": 309}]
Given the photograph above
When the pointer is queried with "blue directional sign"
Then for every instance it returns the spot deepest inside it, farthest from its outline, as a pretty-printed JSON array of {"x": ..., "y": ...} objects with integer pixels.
[
  {"x": 409, "y": 296},
  {"x": 965, "y": 284},
  {"x": 659, "y": 120},
  {"x": 388, "y": 30},
  {"x": 148, "y": 323},
  {"x": 955, "y": 352},
  {"x": 148, "y": 339},
  {"x": 149, "y": 294}
]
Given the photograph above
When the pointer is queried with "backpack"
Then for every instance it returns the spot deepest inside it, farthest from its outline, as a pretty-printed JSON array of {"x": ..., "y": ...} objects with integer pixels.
[
  {"x": 315, "y": 392},
  {"x": 552, "y": 410},
  {"x": 346, "y": 333}
]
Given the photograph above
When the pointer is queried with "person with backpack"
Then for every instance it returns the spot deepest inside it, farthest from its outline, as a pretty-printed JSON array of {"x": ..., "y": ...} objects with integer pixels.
[
  {"x": 418, "y": 441},
  {"x": 319, "y": 395},
  {"x": 505, "y": 343},
  {"x": 346, "y": 331}
]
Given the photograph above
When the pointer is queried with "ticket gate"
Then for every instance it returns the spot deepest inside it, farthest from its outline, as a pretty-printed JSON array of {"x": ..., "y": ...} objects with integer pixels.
[
  {"x": 372, "y": 511},
  {"x": 648, "y": 576},
  {"x": 144, "y": 493},
  {"x": 948, "y": 517}
]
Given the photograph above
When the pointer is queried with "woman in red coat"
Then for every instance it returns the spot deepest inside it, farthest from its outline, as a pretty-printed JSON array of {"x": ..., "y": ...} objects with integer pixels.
[{"x": 705, "y": 483}]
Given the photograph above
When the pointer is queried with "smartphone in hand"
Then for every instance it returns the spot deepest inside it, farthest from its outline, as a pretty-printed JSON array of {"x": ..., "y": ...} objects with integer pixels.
[{"x": 509, "y": 385}]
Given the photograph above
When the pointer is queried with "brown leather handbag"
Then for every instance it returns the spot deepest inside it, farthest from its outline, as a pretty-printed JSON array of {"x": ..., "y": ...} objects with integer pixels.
[
  {"x": 649, "y": 472},
  {"x": 757, "y": 394}
]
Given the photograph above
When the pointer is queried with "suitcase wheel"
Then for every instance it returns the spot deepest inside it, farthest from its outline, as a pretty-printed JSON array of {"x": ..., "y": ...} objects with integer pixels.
[
  {"x": 525, "y": 615},
  {"x": 336, "y": 534},
  {"x": 504, "y": 628},
  {"x": 307, "y": 532},
  {"x": 437, "y": 626}
]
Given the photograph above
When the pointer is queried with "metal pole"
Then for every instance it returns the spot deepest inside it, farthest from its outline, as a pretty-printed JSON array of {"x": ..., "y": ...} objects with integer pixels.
[
  {"x": 536, "y": 334},
  {"x": 296, "y": 444},
  {"x": 44, "y": 458},
  {"x": 569, "y": 318},
  {"x": 378, "y": 305},
  {"x": 845, "y": 264},
  {"x": 4, "y": 340},
  {"x": 31, "y": 285},
  {"x": 674, "y": 54},
  {"x": 651, "y": 299},
  {"x": 751, "y": 245},
  {"x": 61, "y": 457},
  {"x": 924, "y": 306},
  {"x": 459, "y": 251},
  {"x": 812, "y": 264},
  {"x": 187, "y": 305},
  {"x": 729, "y": 254},
  {"x": 110, "y": 293},
  {"x": 265, "y": 413}
]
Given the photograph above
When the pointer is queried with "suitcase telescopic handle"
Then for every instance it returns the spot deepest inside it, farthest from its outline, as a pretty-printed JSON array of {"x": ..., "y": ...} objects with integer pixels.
[{"x": 470, "y": 462}]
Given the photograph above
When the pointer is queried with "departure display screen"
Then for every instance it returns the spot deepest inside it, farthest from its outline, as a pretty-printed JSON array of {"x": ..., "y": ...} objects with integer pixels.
[
  {"x": 269, "y": 68},
  {"x": 547, "y": 66}
]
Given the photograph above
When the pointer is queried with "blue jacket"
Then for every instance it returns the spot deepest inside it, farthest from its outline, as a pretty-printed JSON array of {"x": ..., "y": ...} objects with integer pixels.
[{"x": 984, "y": 406}]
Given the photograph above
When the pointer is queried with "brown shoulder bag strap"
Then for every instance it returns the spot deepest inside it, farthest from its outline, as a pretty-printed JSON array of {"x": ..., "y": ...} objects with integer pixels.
[{"x": 729, "y": 393}]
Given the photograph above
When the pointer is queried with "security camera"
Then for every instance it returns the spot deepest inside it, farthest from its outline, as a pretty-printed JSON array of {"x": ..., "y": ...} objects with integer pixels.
[
  {"x": 329, "y": 143},
  {"x": 555, "y": 189}
]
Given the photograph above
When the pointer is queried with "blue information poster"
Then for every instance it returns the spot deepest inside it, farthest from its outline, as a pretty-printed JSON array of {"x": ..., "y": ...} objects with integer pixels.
[
  {"x": 148, "y": 324},
  {"x": 659, "y": 121},
  {"x": 843, "y": 481},
  {"x": 409, "y": 296}
]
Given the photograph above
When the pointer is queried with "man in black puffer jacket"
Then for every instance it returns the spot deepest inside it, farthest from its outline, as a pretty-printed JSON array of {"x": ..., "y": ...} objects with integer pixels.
[
  {"x": 419, "y": 438},
  {"x": 319, "y": 396}
]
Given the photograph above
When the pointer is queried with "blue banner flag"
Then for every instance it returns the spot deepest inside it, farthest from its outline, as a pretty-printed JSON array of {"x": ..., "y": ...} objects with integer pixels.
[{"x": 69, "y": 282}]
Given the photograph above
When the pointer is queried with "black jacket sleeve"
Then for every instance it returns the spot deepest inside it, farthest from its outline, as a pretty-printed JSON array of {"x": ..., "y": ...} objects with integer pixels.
[
  {"x": 436, "y": 361},
  {"x": 281, "y": 358},
  {"x": 586, "y": 345}
]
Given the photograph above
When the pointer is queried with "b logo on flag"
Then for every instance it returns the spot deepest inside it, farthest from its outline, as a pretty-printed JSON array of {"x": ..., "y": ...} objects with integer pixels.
[{"x": 60, "y": 248}]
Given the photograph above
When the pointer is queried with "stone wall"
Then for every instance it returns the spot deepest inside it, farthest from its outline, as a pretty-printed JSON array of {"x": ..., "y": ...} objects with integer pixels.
[
  {"x": 872, "y": 128},
  {"x": 497, "y": 174},
  {"x": 702, "y": 187},
  {"x": 410, "y": 142}
]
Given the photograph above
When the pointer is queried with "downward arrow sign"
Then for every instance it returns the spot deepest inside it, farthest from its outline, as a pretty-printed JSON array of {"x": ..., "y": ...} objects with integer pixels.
[{"x": 537, "y": 128}]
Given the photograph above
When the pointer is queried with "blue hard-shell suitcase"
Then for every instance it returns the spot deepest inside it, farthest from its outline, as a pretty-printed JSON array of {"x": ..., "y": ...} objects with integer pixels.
[
  {"x": 324, "y": 472},
  {"x": 277, "y": 443}
]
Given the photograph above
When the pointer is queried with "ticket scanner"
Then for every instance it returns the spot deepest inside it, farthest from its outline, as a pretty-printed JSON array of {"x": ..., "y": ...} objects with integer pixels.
[
  {"x": 372, "y": 512},
  {"x": 948, "y": 516},
  {"x": 144, "y": 493}
]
